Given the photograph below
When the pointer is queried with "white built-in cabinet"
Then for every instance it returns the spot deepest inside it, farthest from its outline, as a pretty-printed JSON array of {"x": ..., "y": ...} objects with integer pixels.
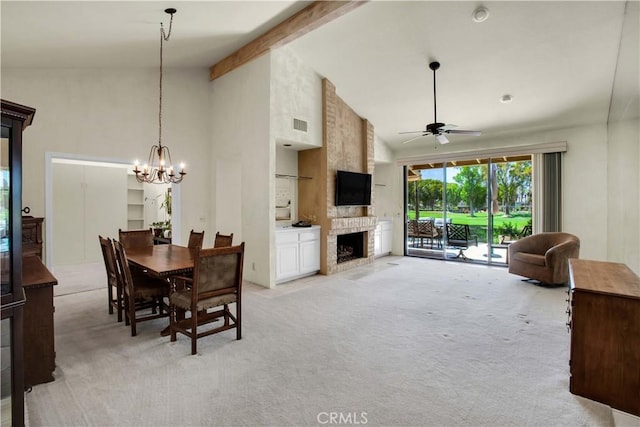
[
  {"x": 135, "y": 204},
  {"x": 87, "y": 200},
  {"x": 297, "y": 252},
  {"x": 382, "y": 237}
]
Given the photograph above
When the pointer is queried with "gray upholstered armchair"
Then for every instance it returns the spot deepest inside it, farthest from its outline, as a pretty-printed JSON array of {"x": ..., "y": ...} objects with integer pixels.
[{"x": 544, "y": 256}]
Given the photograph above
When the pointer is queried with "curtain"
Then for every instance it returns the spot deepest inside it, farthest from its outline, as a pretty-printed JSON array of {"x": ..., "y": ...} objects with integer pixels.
[{"x": 551, "y": 192}]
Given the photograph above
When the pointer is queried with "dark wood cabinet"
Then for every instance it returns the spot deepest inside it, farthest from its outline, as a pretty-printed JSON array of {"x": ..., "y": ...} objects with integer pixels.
[
  {"x": 15, "y": 118},
  {"x": 32, "y": 236},
  {"x": 604, "y": 320},
  {"x": 39, "y": 348}
]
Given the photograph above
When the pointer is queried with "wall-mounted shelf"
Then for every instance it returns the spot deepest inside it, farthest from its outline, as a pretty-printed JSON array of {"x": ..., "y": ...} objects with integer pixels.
[{"x": 278, "y": 175}]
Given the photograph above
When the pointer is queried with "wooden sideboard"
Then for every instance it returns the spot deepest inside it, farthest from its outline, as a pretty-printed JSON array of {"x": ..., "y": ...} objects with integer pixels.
[
  {"x": 39, "y": 347},
  {"x": 604, "y": 320},
  {"x": 32, "y": 236}
]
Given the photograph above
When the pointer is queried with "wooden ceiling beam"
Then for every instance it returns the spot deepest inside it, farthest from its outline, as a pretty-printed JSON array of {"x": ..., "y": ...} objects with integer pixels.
[{"x": 308, "y": 19}]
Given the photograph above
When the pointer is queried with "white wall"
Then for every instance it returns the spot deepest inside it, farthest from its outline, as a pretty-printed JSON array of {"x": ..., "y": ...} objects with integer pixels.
[
  {"x": 113, "y": 114},
  {"x": 623, "y": 149},
  {"x": 240, "y": 135},
  {"x": 296, "y": 92}
]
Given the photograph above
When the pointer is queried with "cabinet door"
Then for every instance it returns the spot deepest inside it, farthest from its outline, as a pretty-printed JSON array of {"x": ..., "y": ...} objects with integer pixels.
[
  {"x": 377, "y": 239},
  {"x": 385, "y": 238},
  {"x": 309, "y": 256},
  {"x": 287, "y": 260}
]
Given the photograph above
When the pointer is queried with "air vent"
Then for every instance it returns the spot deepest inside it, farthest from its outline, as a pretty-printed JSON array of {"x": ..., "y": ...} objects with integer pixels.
[{"x": 300, "y": 125}]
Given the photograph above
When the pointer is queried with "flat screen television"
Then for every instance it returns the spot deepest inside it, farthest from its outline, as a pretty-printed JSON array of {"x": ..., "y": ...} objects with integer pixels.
[{"x": 353, "y": 188}]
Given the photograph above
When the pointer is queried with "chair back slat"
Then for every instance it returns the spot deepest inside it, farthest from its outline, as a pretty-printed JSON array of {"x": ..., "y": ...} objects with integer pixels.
[
  {"x": 196, "y": 239},
  {"x": 218, "y": 268},
  {"x": 109, "y": 257},
  {"x": 124, "y": 271},
  {"x": 223, "y": 240},
  {"x": 458, "y": 234},
  {"x": 136, "y": 238}
]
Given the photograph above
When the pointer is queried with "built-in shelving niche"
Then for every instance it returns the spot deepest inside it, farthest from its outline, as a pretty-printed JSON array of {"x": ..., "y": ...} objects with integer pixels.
[{"x": 287, "y": 196}]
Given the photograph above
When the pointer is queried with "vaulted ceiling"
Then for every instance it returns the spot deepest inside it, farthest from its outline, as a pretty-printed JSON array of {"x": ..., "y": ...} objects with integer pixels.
[{"x": 557, "y": 59}]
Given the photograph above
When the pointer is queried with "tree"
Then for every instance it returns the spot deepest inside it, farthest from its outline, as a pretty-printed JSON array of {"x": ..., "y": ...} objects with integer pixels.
[
  {"x": 473, "y": 186},
  {"x": 430, "y": 193},
  {"x": 514, "y": 181},
  {"x": 453, "y": 195}
]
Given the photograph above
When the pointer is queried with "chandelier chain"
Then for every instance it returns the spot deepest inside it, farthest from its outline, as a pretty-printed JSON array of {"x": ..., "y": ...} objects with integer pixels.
[{"x": 163, "y": 37}]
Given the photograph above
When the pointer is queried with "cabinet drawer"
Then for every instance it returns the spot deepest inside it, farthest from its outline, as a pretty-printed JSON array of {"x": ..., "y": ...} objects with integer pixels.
[
  {"x": 286, "y": 237},
  {"x": 309, "y": 235}
]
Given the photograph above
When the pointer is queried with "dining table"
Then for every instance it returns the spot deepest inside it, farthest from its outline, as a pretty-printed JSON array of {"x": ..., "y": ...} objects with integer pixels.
[{"x": 162, "y": 261}]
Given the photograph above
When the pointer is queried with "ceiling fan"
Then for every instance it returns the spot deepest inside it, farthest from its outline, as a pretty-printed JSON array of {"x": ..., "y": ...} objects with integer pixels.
[{"x": 439, "y": 129}]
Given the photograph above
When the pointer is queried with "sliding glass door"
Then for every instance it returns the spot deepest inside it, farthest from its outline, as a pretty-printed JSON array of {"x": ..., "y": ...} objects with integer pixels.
[{"x": 468, "y": 209}]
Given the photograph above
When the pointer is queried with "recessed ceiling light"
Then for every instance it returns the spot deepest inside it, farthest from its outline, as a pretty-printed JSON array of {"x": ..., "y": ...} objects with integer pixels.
[
  {"x": 480, "y": 14},
  {"x": 505, "y": 99}
]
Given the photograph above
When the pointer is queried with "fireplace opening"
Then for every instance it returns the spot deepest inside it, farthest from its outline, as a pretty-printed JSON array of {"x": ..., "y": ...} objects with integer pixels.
[{"x": 350, "y": 246}]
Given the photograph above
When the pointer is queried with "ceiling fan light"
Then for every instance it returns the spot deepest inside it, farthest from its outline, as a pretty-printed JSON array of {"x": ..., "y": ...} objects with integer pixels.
[
  {"x": 442, "y": 139},
  {"x": 480, "y": 14}
]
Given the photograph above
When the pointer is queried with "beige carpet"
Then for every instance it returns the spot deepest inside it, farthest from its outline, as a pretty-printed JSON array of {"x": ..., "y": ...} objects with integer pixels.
[{"x": 403, "y": 342}]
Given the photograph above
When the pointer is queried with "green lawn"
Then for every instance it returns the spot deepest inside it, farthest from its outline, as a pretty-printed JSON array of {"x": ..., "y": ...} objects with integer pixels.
[{"x": 478, "y": 222}]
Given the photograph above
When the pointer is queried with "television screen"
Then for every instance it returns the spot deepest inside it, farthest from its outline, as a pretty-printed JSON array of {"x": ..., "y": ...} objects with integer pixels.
[{"x": 353, "y": 189}]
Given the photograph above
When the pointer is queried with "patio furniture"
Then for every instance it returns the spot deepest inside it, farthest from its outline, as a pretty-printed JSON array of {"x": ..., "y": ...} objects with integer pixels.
[
  {"x": 459, "y": 236},
  {"x": 428, "y": 230},
  {"x": 526, "y": 231},
  {"x": 412, "y": 230},
  {"x": 544, "y": 256}
]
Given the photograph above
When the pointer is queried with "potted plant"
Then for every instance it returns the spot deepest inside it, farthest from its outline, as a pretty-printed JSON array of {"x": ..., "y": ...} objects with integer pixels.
[{"x": 507, "y": 232}]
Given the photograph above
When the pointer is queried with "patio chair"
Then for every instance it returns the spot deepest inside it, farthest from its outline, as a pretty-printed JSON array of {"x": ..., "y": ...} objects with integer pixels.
[
  {"x": 459, "y": 236},
  {"x": 412, "y": 230},
  {"x": 428, "y": 230}
]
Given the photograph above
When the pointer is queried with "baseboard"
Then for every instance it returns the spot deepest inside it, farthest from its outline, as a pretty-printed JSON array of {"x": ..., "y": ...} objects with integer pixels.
[{"x": 624, "y": 419}]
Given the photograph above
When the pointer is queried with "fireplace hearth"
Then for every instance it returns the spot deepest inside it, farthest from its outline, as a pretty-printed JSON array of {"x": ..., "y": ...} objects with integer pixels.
[{"x": 350, "y": 246}]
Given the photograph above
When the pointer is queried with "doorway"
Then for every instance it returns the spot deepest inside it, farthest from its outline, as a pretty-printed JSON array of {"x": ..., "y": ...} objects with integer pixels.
[
  {"x": 86, "y": 196},
  {"x": 468, "y": 209}
]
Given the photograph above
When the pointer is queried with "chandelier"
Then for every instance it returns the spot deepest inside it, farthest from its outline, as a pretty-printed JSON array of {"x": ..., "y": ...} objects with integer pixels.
[{"x": 159, "y": 168}]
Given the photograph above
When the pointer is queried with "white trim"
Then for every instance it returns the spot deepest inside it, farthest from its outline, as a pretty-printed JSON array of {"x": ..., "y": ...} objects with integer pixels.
[{"x": 517, "y": 150}]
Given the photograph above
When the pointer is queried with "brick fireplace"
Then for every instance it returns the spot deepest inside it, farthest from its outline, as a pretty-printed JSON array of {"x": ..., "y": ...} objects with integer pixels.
[{"x": 347, "y": 145}]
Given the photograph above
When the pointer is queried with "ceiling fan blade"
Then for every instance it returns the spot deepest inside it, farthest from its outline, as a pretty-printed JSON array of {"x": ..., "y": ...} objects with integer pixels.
[
  {"x": 464, "y": 132},
  {"x": 413, "y": 131},
  {"x": 447, "y": 127},
  {"x": 414, "y": 138},
  {"x": 442, "y": 139}
]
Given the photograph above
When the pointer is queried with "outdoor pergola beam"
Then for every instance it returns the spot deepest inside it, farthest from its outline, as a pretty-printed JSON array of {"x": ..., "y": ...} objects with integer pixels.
[{"x": 308, "y": 19}]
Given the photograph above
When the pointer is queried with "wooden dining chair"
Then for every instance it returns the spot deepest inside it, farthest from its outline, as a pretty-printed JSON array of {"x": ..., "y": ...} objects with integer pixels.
[
  {"x": 114, "y": 285},
  {"x": 140, "y": 293},
  {"x": 216, "y": 282},
  {"x": 195, "y": 239},
  {"x": 136, "y": 238},
  {"x": 222, "y": 240}
]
